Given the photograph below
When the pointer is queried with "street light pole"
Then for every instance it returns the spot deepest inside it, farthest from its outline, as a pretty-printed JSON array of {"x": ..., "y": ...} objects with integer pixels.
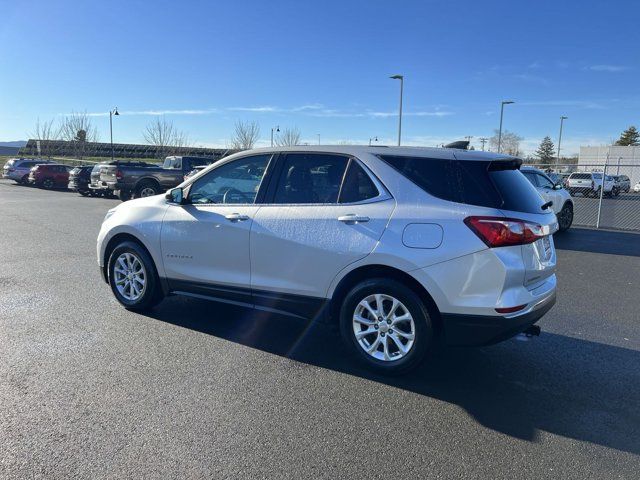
[
  {"x": 504, "y": 102},
  {"x": 401, "y": 78},
  {"x": 562, "y": 119},
  {"x": 111, "y": 114},
  {"x": 277, "y": 129},
  {"x": 318, "y": 138}
]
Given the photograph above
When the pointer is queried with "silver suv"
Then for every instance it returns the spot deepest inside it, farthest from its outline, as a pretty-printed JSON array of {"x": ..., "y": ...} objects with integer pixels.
[
  {"x": 402, "y": 247},
  {"x": 17, "y": 169}
]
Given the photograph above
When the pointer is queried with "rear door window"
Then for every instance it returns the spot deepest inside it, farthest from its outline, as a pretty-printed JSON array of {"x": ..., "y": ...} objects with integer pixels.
[
  {"x": 497, "y": 184},
  {"x": 357, "y": 185},
  {"x": 310, "y": 178}
]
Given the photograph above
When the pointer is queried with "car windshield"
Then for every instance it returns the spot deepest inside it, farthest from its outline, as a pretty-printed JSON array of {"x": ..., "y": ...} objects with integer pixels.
[{"x": 597, "y": 176}]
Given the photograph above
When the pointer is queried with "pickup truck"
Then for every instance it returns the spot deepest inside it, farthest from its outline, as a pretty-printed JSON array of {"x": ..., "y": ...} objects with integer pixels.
[{"x": 144, "y": 180}]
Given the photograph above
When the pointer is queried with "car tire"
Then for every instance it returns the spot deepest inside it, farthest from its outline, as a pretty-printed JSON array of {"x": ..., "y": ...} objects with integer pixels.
[
  {"x": 24, "y": 180},
  {"x": 565, "y": 217},
  {"x": 133, "y": 277},
  {"x": 370, "y": 348},
  {"x": 84, "y": 193},
  {"x": 48, "y": 183},
  {"x": 123, "y": 196},
  {"x": 147, "y": 189}
]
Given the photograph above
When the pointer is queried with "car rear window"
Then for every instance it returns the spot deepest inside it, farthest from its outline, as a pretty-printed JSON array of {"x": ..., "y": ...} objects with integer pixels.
[
  {"x": 581, "y": 176},
  {"x": 494, "y": 184}
]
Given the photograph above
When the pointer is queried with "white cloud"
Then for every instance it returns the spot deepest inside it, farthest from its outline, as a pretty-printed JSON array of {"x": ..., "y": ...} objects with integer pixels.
[
  {"x": 607, "y": 68},
  {"x": 262, "y": 109},
  {"x": 151, "y": 112}
]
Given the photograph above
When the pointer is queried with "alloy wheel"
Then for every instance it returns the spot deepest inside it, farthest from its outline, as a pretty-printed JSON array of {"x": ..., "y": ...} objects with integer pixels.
[
  {"x": 130, "y": 276},
  {"x": 383, "y": 327},
  {"x": 147, "y": 192}
]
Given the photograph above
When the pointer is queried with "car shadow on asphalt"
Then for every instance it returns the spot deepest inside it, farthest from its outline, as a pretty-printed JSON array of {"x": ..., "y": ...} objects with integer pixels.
[
  {"x": 598, "y": 241},
  {"x": 567, "y": 386}
]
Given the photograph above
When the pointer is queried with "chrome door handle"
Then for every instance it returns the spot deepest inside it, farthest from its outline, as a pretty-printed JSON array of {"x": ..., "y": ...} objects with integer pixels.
[
  {"x": 236, "y": 217},
  {"x": 352, "y": 218}
]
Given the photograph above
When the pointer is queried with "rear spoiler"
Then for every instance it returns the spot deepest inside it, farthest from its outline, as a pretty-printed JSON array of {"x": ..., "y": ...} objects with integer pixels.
[
  {"x": 506, "y": 164},
  {"x": 458, "y": 145}
]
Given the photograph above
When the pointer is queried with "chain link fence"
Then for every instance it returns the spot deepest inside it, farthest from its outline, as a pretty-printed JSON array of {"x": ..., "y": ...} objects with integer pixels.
[{"x": 615, "y": 207}]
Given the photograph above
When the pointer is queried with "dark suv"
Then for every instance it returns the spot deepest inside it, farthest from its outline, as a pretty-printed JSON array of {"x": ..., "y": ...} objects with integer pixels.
[
  {"x": 51, "y": 175},
  {"x": 79, "y": 179}
]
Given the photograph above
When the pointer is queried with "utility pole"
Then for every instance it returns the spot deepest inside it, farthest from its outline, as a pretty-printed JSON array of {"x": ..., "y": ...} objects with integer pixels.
[{"x": 483, "y": 140}]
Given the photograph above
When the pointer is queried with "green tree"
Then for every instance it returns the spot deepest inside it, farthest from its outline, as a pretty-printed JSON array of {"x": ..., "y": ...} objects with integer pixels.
[
  {"x": 546, "y": 152},
  {"x": 630, "y": 136}
]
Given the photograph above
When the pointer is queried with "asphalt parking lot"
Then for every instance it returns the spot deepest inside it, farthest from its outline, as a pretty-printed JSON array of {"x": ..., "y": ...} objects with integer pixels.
[{"x": 198, "y": 389}]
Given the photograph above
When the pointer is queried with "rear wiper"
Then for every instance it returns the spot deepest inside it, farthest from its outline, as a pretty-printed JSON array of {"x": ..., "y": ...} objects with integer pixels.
[{"x": 547, "y": 205}]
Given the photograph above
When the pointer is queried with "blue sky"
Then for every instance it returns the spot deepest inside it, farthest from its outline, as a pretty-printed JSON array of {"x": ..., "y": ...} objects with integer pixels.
[{"x": 323, "y": 67}]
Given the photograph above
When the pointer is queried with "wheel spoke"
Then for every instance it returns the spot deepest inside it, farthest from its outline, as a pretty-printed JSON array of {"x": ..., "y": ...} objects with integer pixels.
[
  {"x": 361, "y": 319},
  {"x": 401, "y": 318},
  {"x": 379, "y": 307},
  {"x": 385, "y": 347},
  {"x": 399, "y": 344},
  {"x": 367, "y": 306},
  {"x": 408, "y": 336},
  {"x": 364, "y": 333},
  {"x": 394, "y": 307},
  {"x": 374, "y": 346}
]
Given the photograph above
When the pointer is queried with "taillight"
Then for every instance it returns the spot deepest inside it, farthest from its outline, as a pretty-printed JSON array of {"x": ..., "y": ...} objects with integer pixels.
[
  {"x": 502, "y": 232},
  {"x": 119, "y": 174}
]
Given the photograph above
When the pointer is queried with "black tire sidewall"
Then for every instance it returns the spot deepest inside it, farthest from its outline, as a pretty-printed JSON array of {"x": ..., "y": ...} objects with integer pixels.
[
  {"x": 564, "y": 208},
  {"x": 144, "y": 185},
  {"x": 152, "y": 293},
  {"x": 424, "y": 337}
]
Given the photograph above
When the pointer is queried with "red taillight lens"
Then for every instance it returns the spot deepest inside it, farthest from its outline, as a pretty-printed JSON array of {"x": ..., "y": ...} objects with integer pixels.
[
  {"x": 119, "y": 174},
  {"x": 511, "y": 309},
  {"x": 502, "y": 232}
]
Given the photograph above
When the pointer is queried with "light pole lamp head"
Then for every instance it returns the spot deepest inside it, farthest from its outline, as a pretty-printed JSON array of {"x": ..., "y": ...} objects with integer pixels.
[
  {"x": 397, "y": 77},
  {"x": 115, "y": 111},
  {"x": 507, "y": 102},
  {"x": 563, "y": 117}
]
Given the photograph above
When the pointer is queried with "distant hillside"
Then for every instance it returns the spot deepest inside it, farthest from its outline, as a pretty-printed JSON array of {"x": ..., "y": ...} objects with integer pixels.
[{"x": 17, "y": 143}]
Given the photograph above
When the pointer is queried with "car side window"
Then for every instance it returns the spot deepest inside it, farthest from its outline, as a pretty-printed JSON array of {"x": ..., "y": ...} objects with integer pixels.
[
  {"x": 232, "y": 183},
  {"x": 544, "y": 182},
  {"x": 357, "y": 185},
  {"x": 310, "y": 178}
]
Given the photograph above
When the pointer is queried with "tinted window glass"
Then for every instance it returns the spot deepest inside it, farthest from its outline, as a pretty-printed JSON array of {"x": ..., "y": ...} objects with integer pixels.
[
  {"x": 234, "y": 182},
  {"x": 581, "y": 176},
  {"x": 544, "y": 182},
  {"x": 310, "y": 178},
  {"x": 357, "y": 185},
  {"x": 486, "y": 184}
]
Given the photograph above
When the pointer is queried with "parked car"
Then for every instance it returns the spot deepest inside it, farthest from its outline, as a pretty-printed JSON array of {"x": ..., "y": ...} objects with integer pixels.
[
  {"x": 621, "y": 184},
  {"x": 589, "y": 184},
  {"x": 49, "y": 175},
  {"x": 197, "y": 169},
  {"x": 145, "y": 180},
  {"x": 401, "y": 247},
  {"x": 79, "y": 179},
  {"x": 552, "y": 192},
  {"x": 17, "y": 169}
]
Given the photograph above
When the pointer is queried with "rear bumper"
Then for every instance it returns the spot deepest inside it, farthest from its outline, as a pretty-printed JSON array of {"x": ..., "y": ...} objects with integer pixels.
[{"x": 477, "y": 330}]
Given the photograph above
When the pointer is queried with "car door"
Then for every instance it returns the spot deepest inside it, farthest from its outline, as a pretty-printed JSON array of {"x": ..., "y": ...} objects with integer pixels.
[
  {"x": 205, "y": 242},
  {"x": 546, "y": 188},
  {"x": 323, "y": 212}
]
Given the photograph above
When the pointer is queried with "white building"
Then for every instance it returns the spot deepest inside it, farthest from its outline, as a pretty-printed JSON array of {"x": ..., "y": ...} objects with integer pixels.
[{"x": 619, "y": 160}]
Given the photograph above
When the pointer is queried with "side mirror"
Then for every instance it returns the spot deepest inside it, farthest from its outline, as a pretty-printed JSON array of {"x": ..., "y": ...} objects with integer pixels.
[
  {"x": 558, "y": 186},
  {"x": 175, "y": 195}
]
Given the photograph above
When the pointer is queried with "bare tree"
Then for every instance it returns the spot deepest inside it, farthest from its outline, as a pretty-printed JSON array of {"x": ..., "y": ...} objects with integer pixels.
[
  {"x": 510, "y": 142},
  {"x": 44, "y": 132},
  {"x": 245, "y": 136},
  {"x": 164, "y": 135},
  {"x": 78, "y": 129},
  {"x": 288, "y": 137}
]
